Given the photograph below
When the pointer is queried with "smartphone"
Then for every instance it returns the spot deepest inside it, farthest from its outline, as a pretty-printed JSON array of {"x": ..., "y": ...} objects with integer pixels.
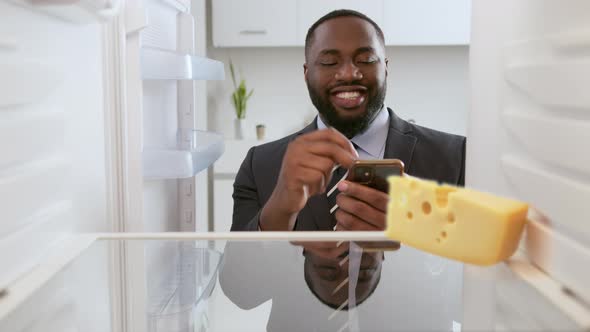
[{"x": 374, "y": 173}]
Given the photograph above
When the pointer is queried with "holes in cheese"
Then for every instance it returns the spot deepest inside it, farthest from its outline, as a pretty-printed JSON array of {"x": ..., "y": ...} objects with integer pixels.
[
  {"x": 426, "y": 208},
  {"x": 462, "y": 224}
]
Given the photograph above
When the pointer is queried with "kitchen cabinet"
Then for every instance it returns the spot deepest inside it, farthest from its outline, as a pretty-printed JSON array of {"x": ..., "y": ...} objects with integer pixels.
[
  {"x": 427, "y": 22},
  {"x": 309, "y": 11},
  {"x": 271, "y": 23},
  {"x": 254, "y": 23}
]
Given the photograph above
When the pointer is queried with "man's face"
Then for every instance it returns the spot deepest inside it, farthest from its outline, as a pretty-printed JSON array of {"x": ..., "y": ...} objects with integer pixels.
[
  {"x": 346, "y": 73},
  {"x": 325, "y": 276}
]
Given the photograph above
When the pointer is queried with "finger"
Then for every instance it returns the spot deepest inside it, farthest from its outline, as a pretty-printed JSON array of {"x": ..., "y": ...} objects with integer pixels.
[
  {"x": 373, "y": 197},
  {"x": 331, "y": 136},
  {"x": 351, "y": 222},
  {"x": 312, "y": 178},
  {"x": 335, "y": 152},
  {"x": 319, "y": 163},
  {"x": 361, "y": 211}
]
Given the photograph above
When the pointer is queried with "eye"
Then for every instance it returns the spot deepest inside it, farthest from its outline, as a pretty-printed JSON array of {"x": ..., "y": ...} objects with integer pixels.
[
  {"x": 368, "y": 61},
  {"x": 328, "y": 63}
]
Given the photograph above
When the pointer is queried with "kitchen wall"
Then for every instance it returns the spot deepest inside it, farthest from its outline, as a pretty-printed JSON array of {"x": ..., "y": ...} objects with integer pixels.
[{"x": 426, "y": 83}]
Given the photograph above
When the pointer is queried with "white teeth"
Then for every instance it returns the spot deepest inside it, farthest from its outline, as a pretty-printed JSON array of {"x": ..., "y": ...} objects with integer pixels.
[{"x": 348, "y": 95}]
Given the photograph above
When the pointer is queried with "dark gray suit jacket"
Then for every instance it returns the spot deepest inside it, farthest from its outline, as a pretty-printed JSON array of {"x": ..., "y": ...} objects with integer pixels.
[{"x": 426, "y": 153}]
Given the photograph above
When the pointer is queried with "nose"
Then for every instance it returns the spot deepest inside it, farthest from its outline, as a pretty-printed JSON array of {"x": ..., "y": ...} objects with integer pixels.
[{"x": 348, "y": 72}]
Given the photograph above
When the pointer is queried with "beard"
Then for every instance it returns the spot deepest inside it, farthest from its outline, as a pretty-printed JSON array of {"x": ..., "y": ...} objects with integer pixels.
[{"x": 349, "y": 127}]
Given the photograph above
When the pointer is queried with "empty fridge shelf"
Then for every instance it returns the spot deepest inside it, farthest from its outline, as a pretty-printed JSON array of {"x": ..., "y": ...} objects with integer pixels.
[
  {"x": 177, "y": 162},
  {"x": 159, "y": 64}
]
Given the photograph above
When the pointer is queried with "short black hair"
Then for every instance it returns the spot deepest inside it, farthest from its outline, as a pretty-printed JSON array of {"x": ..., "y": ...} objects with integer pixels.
[{"x": 340, "y": 13}]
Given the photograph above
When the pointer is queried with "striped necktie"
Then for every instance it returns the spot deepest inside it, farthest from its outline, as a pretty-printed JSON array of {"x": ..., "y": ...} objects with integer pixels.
[{"x": 337, "y": 175}]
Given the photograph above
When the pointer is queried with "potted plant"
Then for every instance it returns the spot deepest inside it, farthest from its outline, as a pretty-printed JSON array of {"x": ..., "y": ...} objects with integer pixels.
[{"x": 239, "y": 99}]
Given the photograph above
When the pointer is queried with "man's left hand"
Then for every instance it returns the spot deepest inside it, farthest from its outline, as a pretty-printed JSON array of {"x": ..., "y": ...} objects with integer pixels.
[{"x": 361, "y": 208}]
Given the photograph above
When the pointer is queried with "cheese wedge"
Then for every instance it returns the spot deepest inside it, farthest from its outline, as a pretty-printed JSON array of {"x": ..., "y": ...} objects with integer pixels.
[{"x": 461, "y": 224}]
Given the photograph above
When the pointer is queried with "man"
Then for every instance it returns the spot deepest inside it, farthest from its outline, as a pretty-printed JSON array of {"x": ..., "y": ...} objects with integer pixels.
[{"x": 282, "y": 185}]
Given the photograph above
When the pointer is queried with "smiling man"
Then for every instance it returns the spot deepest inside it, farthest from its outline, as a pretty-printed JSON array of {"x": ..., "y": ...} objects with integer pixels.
[{"x": 282, "y": 185}]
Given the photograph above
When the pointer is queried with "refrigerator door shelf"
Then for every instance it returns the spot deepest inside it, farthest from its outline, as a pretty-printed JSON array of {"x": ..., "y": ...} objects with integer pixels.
[
  {"x": 159, "y": 64},
  {"x": 76, "y": 11},
  {"x": 180, "y": 163},
  {"x": 179, "y": 5},
  {"x": 175, "y": 301}
]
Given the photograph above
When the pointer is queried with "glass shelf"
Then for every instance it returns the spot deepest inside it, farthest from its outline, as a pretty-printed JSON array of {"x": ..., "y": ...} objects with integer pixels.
[
  {"x": 276, "y": 281},
  {"x": 158, "y": 64},
  {"x": 202, "y": 150}
]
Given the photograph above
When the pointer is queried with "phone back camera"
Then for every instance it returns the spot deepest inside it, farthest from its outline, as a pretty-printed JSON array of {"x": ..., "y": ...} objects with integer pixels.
[{"x": 363, "y": 174}]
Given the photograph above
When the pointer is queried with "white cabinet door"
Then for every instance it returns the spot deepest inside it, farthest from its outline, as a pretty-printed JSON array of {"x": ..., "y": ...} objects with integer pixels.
[
  {"x": 427, "y": 22},
  {"x": 309, "y": 11},
  {"x": 253, "y": 23}
]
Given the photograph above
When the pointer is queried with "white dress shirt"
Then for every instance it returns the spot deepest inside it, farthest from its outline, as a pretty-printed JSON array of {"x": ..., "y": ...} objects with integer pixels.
[{"x": 371, "y": 143}]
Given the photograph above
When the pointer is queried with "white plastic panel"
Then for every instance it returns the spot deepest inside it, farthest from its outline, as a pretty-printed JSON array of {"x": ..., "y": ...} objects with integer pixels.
[
  {"x": 525, "y": 124},
  {"x": 54, "y": 311},
  {"x": 562, "y": 199},
  {"x": 529, "y": 300},
  {"x": 553, "y": 84},
  {"x": 39, "y": 133},
  {"x": 27, "y": 189},
  {"x": 60, "y": 293},
  {"x": 27, "y": 81},
  {"x": 560, "y": 256},
  {"x": 161, "y": 64},
  {"x": 528, "y": 129},
  {"x": 551, "y": 69},
  {"x": 76, "y": 11},
  {"x": 52, "y": 167},
  {"x": 47, "y": 228},
  {"x": 177, "y": 163},
  {"x": 161, "y": 30}
]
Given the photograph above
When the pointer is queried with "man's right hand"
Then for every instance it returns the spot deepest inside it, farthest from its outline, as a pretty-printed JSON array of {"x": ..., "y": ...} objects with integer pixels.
[{"x": 306, "y": 171}]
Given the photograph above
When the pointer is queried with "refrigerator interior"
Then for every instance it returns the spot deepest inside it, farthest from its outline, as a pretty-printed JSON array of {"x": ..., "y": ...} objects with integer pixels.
[
  {"x": 528, "y": 138},
  {"x": 66, "y": 96}
]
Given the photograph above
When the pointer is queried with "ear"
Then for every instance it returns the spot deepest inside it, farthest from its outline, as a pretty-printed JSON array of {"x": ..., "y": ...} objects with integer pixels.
[
  {"x": 305, "y": 71},
  {"x": 386, "y": 67}
]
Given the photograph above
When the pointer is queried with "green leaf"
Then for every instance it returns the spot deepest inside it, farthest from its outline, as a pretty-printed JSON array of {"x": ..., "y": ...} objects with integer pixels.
[
  {"x": 240, "y": 94},
  {"x": 233, "y": 72}
]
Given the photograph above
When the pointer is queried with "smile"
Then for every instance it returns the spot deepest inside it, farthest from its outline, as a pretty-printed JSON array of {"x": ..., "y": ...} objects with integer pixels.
[{"x": 348, "y": 99}]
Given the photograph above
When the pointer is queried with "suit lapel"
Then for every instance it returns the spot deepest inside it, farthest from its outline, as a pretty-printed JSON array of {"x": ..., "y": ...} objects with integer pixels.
[{"x": 400, "y": 142}]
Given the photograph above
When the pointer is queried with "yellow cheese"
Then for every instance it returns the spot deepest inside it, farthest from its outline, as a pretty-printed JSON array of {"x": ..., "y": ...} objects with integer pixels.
[{"x": 462, "y": 224}]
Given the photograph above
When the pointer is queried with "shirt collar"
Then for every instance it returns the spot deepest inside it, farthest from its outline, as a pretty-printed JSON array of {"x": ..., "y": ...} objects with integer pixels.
[{"x": 373, "y": 139}]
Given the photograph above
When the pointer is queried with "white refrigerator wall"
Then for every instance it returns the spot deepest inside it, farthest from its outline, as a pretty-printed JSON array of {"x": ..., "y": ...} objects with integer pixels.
[
  {"x": 528, "y": 138},
  {"x": 52, "y": 160},
  {"x": 52, "y": 164}
]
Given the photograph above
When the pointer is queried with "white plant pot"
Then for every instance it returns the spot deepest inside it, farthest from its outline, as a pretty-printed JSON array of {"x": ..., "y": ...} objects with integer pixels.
[{"x": 239, "y": 125}]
